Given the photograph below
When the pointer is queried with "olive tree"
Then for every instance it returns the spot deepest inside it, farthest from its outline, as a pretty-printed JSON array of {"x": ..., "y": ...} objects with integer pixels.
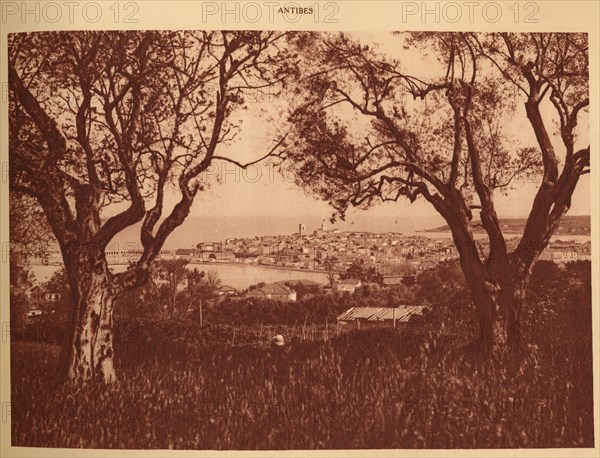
[
  {"x": 107, "y": 130},
  {"x": 370, "y": 127}
]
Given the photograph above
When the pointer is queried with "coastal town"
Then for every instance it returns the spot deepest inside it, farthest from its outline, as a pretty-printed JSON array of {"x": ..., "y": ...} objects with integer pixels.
[
  {"x": 326, "y": 249},
  {"x": 393, "y": 258}
]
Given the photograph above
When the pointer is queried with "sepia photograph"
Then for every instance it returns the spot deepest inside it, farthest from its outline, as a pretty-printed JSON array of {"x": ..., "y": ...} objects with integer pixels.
[{"x": 247, "y": 238}]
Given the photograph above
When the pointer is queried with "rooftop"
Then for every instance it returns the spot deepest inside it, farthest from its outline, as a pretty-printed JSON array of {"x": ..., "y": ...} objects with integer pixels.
[{"x": 403, "y": 313}]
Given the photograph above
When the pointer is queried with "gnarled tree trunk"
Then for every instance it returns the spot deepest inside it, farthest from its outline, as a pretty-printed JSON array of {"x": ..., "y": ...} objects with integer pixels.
[
  {"x": 512, "y": 295},
  {"x": 499, "y": 303},
  {"x": 485, "y": 300},
  {"x": 497, "y": 289},
  {"x": 88, "y": 353}
]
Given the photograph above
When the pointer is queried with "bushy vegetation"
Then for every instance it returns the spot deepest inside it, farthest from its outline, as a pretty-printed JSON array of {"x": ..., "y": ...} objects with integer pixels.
[
  {"x": 222, "y": 387},
  {"x": 319, "y": 309}
]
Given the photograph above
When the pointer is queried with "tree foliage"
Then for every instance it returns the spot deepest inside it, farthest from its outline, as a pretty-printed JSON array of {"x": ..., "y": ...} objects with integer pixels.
[
  {"x": 370, "y": 128},
  {"x": 113, "y": 129},
  {"x": 358, "y": 269},
  {"x": 124, "y": 118}
]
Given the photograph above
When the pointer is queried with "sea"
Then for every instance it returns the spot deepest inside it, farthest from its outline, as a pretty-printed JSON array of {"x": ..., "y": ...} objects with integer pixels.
[{"x": 240, "y": 276}]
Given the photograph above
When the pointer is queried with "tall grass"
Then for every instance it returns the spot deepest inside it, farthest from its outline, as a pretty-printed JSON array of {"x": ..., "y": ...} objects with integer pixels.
[{"x": 369, "y": 389}]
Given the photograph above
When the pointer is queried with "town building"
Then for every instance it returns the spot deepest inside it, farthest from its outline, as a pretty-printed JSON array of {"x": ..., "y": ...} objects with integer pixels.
[
  {"x": 347, "y": 286},
  {"x": 302, "y": 286},
  {"x": 274, "y": 291},
  {"x": 226, "y": 290},
  {"x": 41, "y": 301}
]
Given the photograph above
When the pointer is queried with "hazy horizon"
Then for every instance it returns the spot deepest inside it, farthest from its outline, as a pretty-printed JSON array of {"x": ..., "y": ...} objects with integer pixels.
[{"x": 219, "y": 228}]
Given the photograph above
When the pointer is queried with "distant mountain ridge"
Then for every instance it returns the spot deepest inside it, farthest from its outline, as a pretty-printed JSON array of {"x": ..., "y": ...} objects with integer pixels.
[{"x": 569, "y": 225}]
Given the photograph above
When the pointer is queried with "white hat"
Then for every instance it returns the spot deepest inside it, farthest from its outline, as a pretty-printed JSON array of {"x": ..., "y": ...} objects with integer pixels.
[{"x": 278, "y": 340}]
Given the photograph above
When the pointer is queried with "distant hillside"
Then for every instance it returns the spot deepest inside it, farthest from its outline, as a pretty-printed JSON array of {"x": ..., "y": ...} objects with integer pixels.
[{"x": 570, "y": 225}]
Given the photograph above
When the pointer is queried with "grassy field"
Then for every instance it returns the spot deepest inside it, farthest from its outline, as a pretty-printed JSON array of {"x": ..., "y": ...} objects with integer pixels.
[{"x": 373, "y": 389}]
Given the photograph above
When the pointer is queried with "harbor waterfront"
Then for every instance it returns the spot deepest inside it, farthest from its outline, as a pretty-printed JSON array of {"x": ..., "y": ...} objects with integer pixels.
[{"x": 240, "y": 276}]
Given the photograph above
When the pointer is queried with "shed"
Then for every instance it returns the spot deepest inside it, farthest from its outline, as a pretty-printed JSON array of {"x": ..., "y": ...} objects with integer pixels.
[{"x": 373, "y": 316}]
